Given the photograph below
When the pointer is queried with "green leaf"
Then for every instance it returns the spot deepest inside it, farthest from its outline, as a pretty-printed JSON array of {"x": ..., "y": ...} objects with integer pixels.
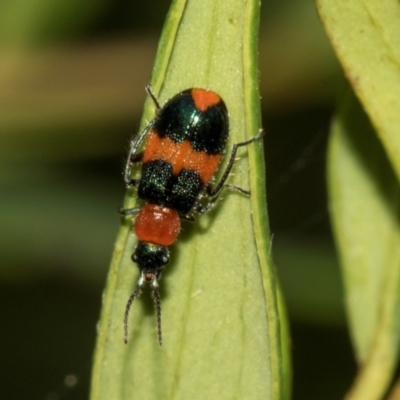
[
  {"x": 221, "y": 320},
  {"x": 365, "y": 201},
  {"x": 366, "y": 37}
]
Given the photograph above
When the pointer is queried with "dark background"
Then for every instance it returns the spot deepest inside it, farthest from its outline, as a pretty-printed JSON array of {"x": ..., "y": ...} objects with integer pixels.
[{"x": 73, "y": 79}]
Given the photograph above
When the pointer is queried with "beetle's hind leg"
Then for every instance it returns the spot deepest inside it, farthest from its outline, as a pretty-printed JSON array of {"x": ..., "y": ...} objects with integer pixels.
[{"x": 213, "y": 193}]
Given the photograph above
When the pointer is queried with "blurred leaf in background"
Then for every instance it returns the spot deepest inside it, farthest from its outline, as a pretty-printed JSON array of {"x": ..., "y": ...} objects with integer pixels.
[
  {"x": 26, "y": 24},
  {"x": 364, "y": 172}
]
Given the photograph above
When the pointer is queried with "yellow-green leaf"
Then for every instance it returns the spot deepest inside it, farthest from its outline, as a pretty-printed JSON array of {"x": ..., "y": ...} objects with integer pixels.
[
  {"x": 221, "y": 320},
  {"x": 366, "y": 37},
  {"x": 365, "y": 200}
]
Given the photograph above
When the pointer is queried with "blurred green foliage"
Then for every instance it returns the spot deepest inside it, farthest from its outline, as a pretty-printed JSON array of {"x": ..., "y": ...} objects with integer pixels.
[{"x": 26, "y": 24}]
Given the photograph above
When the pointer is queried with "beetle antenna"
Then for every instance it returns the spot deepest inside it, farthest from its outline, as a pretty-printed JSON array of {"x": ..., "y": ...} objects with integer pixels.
[
  {"x": 132, "y": 297},
  {"x": 157, "y": 306}
]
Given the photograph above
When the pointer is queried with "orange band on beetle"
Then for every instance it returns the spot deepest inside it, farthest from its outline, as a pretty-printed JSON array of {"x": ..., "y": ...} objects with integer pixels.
[
  {"x": 203, "y": 99},
  {"x": 181, "y": 156}
]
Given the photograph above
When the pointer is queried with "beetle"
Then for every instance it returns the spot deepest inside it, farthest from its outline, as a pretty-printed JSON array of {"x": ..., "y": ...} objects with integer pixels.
[{"x": 185, "y": 144}]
